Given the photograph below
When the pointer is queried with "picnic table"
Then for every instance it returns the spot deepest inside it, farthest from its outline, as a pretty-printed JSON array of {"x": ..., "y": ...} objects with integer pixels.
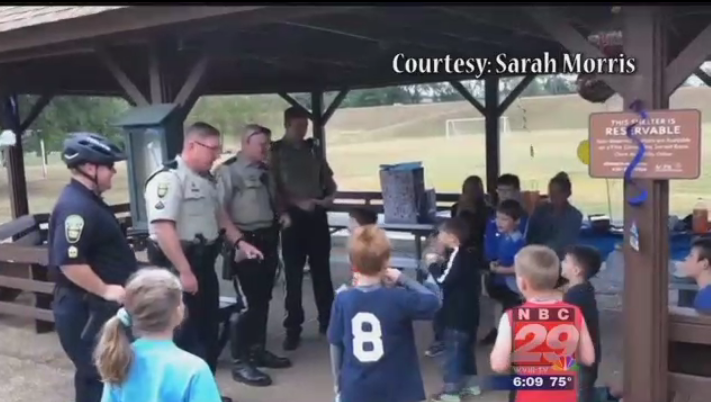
[
  {"x": 339, "y": 221},
  {"x": 609, "y": 243}
]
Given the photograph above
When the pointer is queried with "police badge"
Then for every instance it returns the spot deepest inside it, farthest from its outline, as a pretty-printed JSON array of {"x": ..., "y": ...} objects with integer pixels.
[{"x": 73, "y": 226}]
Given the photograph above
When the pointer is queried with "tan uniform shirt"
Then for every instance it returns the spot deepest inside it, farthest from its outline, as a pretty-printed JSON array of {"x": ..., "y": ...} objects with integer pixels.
[
  {"x": 301, "y": 173},
  {"x": 185, "y": 197},
  {"x": 243, "y": 189}
]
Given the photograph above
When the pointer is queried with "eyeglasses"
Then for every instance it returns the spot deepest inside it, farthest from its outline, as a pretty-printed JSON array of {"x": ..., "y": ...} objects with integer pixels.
[{"x": 213, "y": 148}]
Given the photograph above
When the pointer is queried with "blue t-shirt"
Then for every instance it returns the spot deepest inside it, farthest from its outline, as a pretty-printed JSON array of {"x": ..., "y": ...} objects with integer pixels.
[
  {"x": 162, "y": 372},
  {"x": 702, "y": 301},
  {"x": 508, "y": 244},
  {"x": 491, "y": 237},
  {"x": 373, "y": 327}
]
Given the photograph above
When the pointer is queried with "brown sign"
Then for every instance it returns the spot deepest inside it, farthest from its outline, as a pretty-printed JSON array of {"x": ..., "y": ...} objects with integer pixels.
[{"x": 672, "y": 139}]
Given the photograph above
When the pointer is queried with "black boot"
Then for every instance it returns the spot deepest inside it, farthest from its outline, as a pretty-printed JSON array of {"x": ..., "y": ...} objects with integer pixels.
[
  {"x": 264, "y": 358},
  {"x": 244, "y": 371},
  {"x": 292, "y": 341}
]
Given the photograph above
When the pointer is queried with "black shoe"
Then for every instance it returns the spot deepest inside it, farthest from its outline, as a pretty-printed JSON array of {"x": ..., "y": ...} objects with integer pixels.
[
  {"x": 246, "y": 373},
  {"x": 226, "y": 399},
  {"x": 490, "y": 338},
  {"x": 267, "y": 359},
  {"x": 292, "y": 342}
]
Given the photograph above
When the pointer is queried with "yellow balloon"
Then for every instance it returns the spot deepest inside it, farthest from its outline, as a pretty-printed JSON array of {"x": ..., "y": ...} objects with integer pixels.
[{"x": 584, "y": 152}]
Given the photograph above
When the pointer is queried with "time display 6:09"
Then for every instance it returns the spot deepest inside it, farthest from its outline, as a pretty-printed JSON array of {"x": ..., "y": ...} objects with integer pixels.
[{"x": 542, "y": 382}]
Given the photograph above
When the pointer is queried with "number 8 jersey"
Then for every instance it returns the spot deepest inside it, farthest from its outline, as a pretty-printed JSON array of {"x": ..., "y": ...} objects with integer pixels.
[{"x": 372, "y": 326}]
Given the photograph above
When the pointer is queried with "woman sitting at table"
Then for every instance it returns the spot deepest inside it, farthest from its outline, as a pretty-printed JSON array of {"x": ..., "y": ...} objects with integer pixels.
[
  {"x": 555, "y": 224},
  {"x": 473, "y": 208}
]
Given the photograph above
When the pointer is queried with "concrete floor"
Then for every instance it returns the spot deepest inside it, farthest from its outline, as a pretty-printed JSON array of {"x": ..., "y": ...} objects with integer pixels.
[{"x": 33, "y": 367}]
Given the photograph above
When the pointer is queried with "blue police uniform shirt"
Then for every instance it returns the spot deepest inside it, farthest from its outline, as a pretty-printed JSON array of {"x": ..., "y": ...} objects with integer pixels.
[
  {"x": 702, "y": 301},
  {"x": 84, "y": 230},
  {"x": 491, "y": 242},
  {"x": 373, "y": 326},
  {"x": 162, "y": 372},
  {"x": 508, "y": 245}
]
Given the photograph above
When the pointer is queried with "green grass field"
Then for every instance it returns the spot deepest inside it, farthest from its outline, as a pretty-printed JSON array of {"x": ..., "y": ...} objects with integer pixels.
[{"x": 360, "y": 139}]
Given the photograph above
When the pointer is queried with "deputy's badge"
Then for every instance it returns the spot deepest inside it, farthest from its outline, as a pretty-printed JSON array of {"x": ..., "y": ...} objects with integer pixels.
[
  {"x": 162, "y": 189},
  {"x": 73, "y": 226},
  {"x": 159, "y": 205},
  {"x": 72, "y": 252}
]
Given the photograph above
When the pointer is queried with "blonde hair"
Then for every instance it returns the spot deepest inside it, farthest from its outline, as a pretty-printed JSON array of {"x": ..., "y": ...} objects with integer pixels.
[
  {"x": 153, "y": 295},
  {"x": 539, "y": 265},
  {"x": 369, "y": 250}
]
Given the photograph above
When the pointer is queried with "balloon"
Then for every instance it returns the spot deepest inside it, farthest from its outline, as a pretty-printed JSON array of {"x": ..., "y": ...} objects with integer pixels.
[{"x": 584, "y": 152}]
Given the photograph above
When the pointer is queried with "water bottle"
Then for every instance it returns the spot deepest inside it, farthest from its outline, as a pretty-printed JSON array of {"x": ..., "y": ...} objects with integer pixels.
[{"x": 700, "y": 218}]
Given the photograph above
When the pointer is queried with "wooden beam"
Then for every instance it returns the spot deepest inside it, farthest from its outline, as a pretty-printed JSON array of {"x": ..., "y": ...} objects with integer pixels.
[
  {"x": 36, "y": 110},
  {"x": 293, "y": 102},
  {"x": 703, "y": 76},
  {"x": 559, "y": 29},
  {"x": 192, "y": 83},
  {"x": 123, "y": 80},
  {"x": 132, "y": 19},
  {"x": 520, "y": 87},
  {"x": 492, "y": 141},
  {"x": 693, "y": 56},
  {"x": 468, "y": 96},
  {"x": 155, "y": 79},
  {"x": 335, "y": 103}
]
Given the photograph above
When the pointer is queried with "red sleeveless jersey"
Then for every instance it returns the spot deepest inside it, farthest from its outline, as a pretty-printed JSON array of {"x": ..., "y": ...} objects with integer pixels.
[{"x": 563, "y": 366}]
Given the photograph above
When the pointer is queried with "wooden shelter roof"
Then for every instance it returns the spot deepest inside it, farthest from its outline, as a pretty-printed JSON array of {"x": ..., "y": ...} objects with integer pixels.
[{"x": 266, "y": 49}]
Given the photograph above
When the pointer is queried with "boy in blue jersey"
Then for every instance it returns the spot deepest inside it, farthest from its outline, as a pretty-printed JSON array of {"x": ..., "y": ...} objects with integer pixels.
[
  {"x": 152, "y": 368},
  {"x": 500, "y": 283},
  {"x": 459, "y": 315},
  {"x": 698, "y": 266},
  {"x": 373, "y": 352}
]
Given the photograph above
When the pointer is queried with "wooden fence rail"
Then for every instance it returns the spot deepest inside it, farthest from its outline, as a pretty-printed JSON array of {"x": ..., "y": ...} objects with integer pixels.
[{"x": 24, "y": 256}]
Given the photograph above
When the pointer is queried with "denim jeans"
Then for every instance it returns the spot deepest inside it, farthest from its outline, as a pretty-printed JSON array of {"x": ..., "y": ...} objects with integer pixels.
[
  {"x": 459, "y": 360},
  {"x": 438, "y": 327},
  {"x": 586, "y": 383}
]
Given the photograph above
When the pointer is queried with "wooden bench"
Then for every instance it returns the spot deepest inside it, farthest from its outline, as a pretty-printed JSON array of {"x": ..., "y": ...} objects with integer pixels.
[
  {"x": 689, "y": 355},
  {"x": 24, "y": 268},
  {"x": 228, "y": 308}
]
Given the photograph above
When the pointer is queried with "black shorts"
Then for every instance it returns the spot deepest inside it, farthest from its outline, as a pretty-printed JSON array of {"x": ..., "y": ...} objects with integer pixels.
[{"x": 502, "y": 293}]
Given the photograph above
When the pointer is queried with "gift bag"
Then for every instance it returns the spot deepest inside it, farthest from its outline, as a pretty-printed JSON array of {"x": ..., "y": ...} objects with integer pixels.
[{"x": 403, "y": 188}]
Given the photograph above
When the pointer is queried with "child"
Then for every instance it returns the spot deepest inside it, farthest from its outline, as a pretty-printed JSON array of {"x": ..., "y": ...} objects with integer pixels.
[
  {"x": 358, "y": 217},
  {"x": 460, "y": 312},
  {"x": 581, "y": 263},
  {"x": 435, "y": 258},
  {"x": 537, "y": 272},
  {"x": 373, "y": 352},
  {"x": 698, "y": 266},
  {"x": 361, "y": 217},
  {"x": 152, "y": 366},
  {"x": 510, "y": 240}
]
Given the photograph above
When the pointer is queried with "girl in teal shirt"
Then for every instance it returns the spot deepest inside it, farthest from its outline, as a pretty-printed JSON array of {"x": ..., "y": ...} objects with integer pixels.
[{"x": 151, "y": 368}]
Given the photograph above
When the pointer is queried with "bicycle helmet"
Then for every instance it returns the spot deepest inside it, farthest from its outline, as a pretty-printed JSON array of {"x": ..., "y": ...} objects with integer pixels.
[{"x": 80, "y": 148}]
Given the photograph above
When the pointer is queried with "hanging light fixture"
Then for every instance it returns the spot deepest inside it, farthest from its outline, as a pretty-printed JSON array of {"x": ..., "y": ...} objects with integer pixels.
[{"x": 607, "y": 38}]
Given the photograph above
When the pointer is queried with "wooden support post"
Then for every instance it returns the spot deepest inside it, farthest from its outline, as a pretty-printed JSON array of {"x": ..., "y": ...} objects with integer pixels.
[
  {"x": 688, "y": 60},
  {"x": 492, "y": 140},
  {"x": 318, "y": 124},
  {"x": 129, "y": 87},
  {"x": 703, "y": 76},
  {"x": 646, "y": 270},
  {"x": 10, "y": 119}
]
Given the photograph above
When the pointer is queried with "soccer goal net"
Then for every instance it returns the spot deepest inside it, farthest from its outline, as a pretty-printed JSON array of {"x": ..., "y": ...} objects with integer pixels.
[{"x": 473, "y": 126}]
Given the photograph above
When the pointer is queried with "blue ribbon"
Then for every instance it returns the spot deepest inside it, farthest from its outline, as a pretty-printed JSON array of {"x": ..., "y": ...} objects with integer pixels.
[{"x": 638, "y": 200}]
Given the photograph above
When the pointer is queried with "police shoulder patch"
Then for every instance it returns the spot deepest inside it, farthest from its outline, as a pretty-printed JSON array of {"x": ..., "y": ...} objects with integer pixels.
[
  {"x": 73, "y": 226},
  {"x": 162, "y": 189}
]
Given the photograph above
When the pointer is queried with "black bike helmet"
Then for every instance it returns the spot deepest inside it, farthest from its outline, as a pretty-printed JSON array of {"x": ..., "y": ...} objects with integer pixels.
[{"x": 80, "y": 148}]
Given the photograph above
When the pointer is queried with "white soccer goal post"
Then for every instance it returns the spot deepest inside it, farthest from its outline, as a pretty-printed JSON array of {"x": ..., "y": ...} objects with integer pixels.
[{"x": 473, "y": 126}]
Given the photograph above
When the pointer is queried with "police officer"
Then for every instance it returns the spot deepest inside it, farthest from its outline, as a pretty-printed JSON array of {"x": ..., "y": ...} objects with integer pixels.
[
  {"x": 185, "y": 223},
  {"x": 304, "y": 182},
  {"x": 243, "y": 184},
  {"x": 89, "y": 256}
]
